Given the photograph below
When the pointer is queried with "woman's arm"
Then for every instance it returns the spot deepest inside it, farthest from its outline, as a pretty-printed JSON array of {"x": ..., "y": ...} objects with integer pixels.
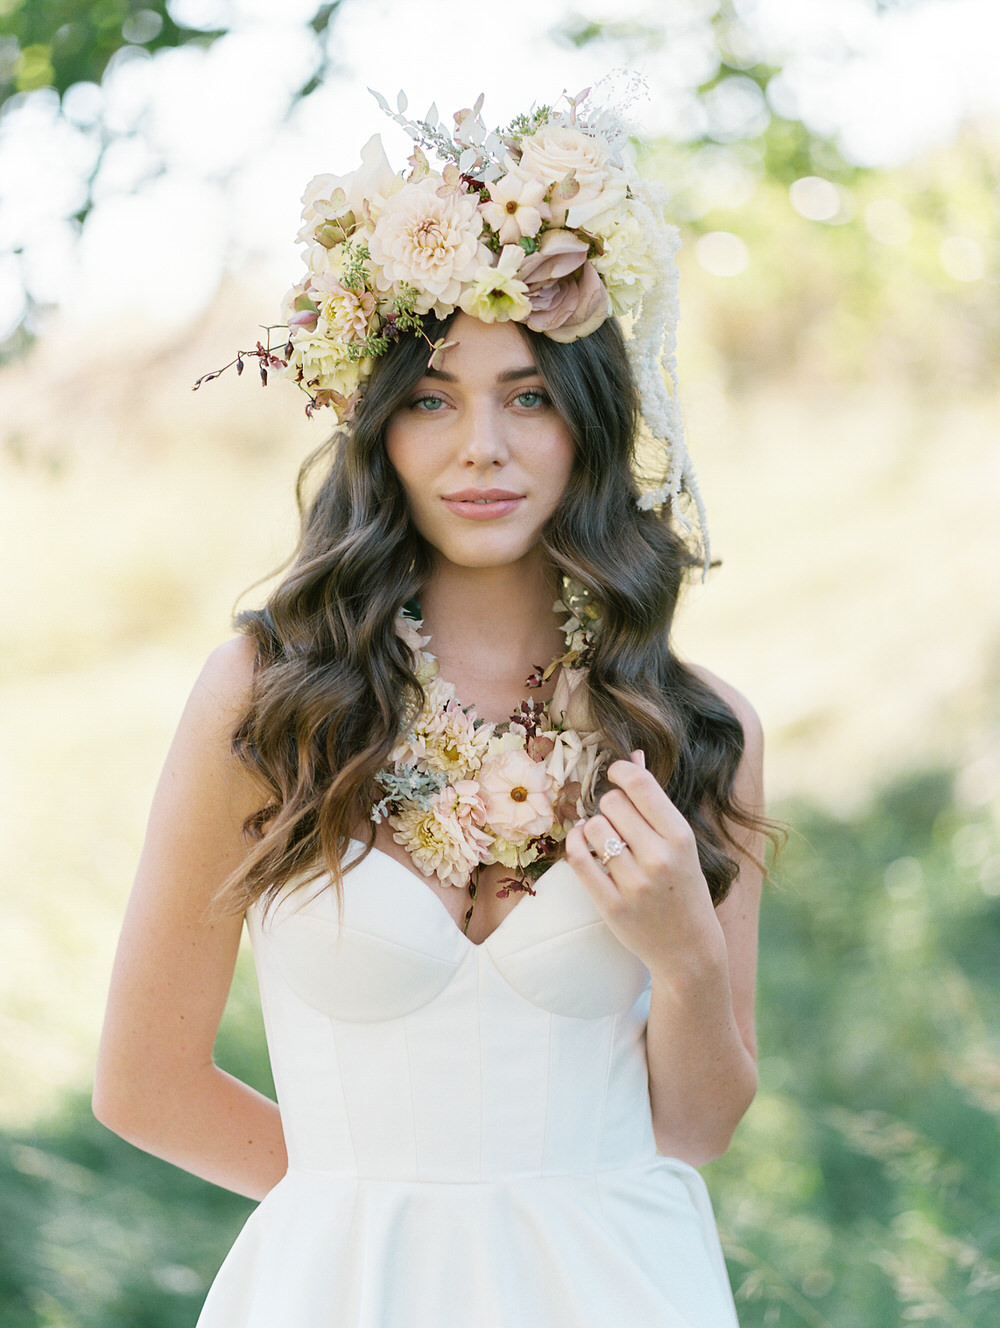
[
  {"x": 157, "y": 1084},
  {"x": 700, "y": 1040}
]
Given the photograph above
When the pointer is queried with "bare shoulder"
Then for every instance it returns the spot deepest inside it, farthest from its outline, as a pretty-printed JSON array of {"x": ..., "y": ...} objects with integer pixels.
[
  {"x": 220, "y": 696},
  {"x": 753, "y": 734},
  {"x": 203, "y": 781},
  {"x": 226, "y": 678}
]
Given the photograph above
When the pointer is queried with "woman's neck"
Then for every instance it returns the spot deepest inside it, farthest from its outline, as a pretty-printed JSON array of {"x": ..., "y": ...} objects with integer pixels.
[{"x": 490, "y": 627}]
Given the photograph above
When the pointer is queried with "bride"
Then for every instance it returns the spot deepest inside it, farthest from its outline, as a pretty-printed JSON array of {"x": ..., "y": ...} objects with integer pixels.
[{"x": 498, "y": 849}]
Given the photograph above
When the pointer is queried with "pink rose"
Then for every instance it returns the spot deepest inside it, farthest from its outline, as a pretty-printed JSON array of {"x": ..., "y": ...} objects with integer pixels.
[
  {"x": 558, "y": 254},
  {"x": 570, "y": 308}
]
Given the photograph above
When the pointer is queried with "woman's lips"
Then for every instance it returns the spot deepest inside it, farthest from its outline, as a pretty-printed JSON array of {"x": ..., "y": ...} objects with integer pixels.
[{"x": 482, "y": 504}]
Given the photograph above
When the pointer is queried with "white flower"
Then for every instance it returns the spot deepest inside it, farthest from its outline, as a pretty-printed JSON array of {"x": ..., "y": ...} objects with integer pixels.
[
  {"x": 332, "y": 198},
  {"x": 569, "y": 705},
  {"x": 496, "y": 293},
  {"x": 628, "y": 264},
  {"x": 345, "y": 315},
  {"x": 513, "y": 855},
  {"x": 517, "y": 207},
  {"x": 575, "y": 763},
  {"x": 443, "y": 736},
  {"x": 323, "y": 364},
  {"x": 408, "y": 630},
  {"x": 430, "y": 242}
]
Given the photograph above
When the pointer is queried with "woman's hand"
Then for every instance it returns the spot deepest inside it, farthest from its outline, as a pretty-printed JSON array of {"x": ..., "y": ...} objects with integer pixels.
[
  {"x": 700, "y": 1040},
  {"x": 653, "y": 894}
]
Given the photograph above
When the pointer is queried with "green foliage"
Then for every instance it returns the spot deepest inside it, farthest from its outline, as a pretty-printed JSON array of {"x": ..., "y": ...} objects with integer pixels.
[
  {"x": 865, "y": 1184},
  {"x": 900, "y": 277}
]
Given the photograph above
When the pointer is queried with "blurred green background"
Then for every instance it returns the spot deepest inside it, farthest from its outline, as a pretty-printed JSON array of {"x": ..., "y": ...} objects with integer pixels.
[{"x": 839, "y": 348}]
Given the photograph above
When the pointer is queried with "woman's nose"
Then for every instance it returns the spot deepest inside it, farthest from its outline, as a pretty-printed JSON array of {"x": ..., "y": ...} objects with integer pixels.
[{"x": 485, "y": 442}]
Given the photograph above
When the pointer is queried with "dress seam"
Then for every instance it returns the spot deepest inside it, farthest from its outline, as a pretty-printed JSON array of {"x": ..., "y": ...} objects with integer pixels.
[
  {"x": 607, "y": 1085},
  {"x": 343, "y": 1096},
  {"x": 482, "y": 1065},
  {"x": 413, "y": 1102}
]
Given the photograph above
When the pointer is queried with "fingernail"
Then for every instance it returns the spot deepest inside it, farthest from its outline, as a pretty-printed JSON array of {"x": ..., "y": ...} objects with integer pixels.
[{"x": 639, "y": 757}]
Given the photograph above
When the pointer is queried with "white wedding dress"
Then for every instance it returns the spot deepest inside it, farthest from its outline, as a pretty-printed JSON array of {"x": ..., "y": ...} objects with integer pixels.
[{"x": 468, "y": 1127}]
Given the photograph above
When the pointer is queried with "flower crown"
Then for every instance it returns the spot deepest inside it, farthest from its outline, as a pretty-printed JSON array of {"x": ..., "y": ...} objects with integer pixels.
[{"x": 545, "y": 222}]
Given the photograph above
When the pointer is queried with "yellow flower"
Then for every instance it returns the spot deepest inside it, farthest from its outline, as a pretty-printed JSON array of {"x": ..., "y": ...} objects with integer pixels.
[
  {"x": 496, "y": 293},
  {"x": 511, "y": 855}
]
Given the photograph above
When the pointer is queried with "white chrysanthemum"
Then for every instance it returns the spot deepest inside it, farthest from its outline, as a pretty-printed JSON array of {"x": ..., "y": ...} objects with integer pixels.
[
  {"x": 427, "y": 237},
  {"x": 439, "y": 843}
]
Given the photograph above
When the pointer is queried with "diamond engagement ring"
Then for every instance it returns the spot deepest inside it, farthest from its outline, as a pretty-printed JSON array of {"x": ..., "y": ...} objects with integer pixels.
[{"x": 612, "y": 848}]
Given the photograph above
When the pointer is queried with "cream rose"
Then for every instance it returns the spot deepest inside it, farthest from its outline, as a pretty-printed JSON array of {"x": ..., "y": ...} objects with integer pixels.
[
  {"x": 323, "y": 364},
  {"x": 345, "y": 315},
  {"x": 556, "y": 151}
]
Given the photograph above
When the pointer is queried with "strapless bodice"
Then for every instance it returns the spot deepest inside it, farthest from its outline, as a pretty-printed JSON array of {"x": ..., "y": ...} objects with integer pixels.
[
  {"x": 468, "y": 1126},
  {"x": 405, "y": 1049}
]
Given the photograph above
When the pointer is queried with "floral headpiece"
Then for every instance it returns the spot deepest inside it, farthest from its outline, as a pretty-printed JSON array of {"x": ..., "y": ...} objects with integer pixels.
[{"x": 545, "y": 222}]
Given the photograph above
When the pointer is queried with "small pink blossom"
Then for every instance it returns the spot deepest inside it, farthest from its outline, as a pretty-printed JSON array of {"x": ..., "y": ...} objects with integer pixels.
[{"x": 463, "y": 800}]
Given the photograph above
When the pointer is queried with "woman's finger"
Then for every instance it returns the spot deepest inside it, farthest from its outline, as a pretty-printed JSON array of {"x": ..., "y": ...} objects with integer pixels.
[{"x": 648, "y": 798}]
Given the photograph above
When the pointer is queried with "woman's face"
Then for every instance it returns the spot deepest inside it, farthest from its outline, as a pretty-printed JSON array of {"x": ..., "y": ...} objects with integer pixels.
[{"x": 480, "y": 450}]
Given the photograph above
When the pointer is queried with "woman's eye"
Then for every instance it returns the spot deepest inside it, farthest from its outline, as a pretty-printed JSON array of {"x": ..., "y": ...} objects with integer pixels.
[
  {"x": 531, "y": 399},
  {"x": 430, "y": 404}
]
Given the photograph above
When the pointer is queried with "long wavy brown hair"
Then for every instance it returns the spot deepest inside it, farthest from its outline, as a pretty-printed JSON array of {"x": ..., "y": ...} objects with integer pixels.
[{"x": 333, "y": 681}]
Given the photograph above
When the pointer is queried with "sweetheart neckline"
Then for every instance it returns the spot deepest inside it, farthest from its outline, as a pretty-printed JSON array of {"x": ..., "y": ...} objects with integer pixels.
[{"x": 442, "y": 908}]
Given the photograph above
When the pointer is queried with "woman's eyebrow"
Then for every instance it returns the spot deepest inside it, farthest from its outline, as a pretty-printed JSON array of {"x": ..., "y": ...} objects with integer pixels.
[{"x": 508, "y": 375}]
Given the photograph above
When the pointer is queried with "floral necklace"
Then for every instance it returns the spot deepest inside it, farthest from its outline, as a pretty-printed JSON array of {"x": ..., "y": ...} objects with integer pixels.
[{"x": 461, "y": 793}]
